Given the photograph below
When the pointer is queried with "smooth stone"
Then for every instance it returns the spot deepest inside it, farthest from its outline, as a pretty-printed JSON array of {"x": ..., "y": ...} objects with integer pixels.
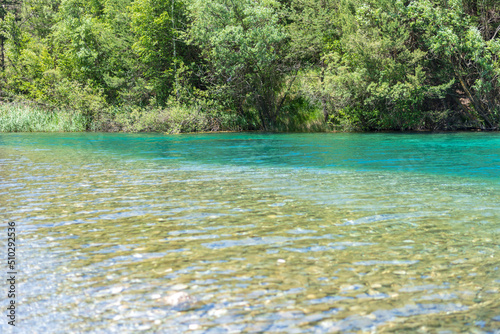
[
  {"x": 179, "y": 287},
  {"x": 180, "y": 298}
]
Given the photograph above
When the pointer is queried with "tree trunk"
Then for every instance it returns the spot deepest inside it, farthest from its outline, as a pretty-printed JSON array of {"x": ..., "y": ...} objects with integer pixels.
[
  {"x": 322, "y": 91},
  {"x": 2, "y": 50}
]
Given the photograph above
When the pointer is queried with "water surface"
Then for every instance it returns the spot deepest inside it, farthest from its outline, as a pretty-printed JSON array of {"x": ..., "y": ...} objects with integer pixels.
[{"x": 295, "y": 233}]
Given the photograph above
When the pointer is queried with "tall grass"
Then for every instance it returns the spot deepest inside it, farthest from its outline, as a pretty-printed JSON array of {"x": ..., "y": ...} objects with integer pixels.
[{"x": 25, "y": 118}]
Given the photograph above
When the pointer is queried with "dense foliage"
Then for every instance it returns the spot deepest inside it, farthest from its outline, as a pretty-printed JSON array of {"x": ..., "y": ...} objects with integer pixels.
[{"x": 286, "y": 65}]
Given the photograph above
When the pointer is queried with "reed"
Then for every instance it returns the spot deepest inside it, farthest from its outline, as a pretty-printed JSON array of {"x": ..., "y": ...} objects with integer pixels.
[{"x": 16, "y": 117}]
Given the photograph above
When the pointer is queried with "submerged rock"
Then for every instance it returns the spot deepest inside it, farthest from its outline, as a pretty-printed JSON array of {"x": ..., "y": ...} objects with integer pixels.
[{"x": 180, "y": 300}]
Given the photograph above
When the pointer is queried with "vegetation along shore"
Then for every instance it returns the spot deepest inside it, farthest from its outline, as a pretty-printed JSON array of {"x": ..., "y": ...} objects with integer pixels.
[{"x": 277, "y": 65}]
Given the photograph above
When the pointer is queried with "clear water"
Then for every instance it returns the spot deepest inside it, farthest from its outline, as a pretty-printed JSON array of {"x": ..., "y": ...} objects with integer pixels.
[{"x": 286, "y": 233}]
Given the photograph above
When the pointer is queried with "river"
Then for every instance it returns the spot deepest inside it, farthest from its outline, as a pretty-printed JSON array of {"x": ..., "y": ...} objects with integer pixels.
[{"x": 295, "y": 233}]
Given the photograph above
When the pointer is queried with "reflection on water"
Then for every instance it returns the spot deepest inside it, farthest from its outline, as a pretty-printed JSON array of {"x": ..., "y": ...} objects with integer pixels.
[{"x": 262, "y": 233}]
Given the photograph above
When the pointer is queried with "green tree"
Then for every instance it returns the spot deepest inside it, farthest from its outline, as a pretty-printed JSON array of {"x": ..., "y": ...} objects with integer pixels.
[
  {"x": 7, "y": 7},
  {"x": 244, "y": 45},
  {"x": 157, "y": 26},
  {"x": 378, "y": 77},
  {"x": 463, "y": 37},
  {"x": 313, "y": 34},
  {"x": 93, "y": 43}
]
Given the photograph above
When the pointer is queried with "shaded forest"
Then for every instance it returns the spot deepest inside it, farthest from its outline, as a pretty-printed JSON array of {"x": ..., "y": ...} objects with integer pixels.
[{"x": 289, "y": 65}]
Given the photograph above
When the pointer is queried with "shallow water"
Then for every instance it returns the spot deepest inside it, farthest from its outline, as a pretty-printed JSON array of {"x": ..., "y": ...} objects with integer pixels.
[{"x": 292, "y": 233}]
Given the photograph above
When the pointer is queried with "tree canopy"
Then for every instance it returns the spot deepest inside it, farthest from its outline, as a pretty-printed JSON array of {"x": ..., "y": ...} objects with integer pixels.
[{"x": 259, "y": 64}]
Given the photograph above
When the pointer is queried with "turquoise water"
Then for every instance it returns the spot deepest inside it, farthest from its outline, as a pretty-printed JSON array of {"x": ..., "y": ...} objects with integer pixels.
[{"x": 306, "y": 233}]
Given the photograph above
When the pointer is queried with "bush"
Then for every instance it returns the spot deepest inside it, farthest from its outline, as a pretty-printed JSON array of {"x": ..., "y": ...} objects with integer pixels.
[
  {"x": 299, "y": 114},
  {"x": 173, "y": 118}
]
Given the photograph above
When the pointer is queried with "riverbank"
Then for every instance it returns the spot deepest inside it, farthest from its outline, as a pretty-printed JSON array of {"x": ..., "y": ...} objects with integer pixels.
[
  {"x": 174, "y": 119},
  {"x": 349, "y": 66},
  {"x": 171, "y": 119}
]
